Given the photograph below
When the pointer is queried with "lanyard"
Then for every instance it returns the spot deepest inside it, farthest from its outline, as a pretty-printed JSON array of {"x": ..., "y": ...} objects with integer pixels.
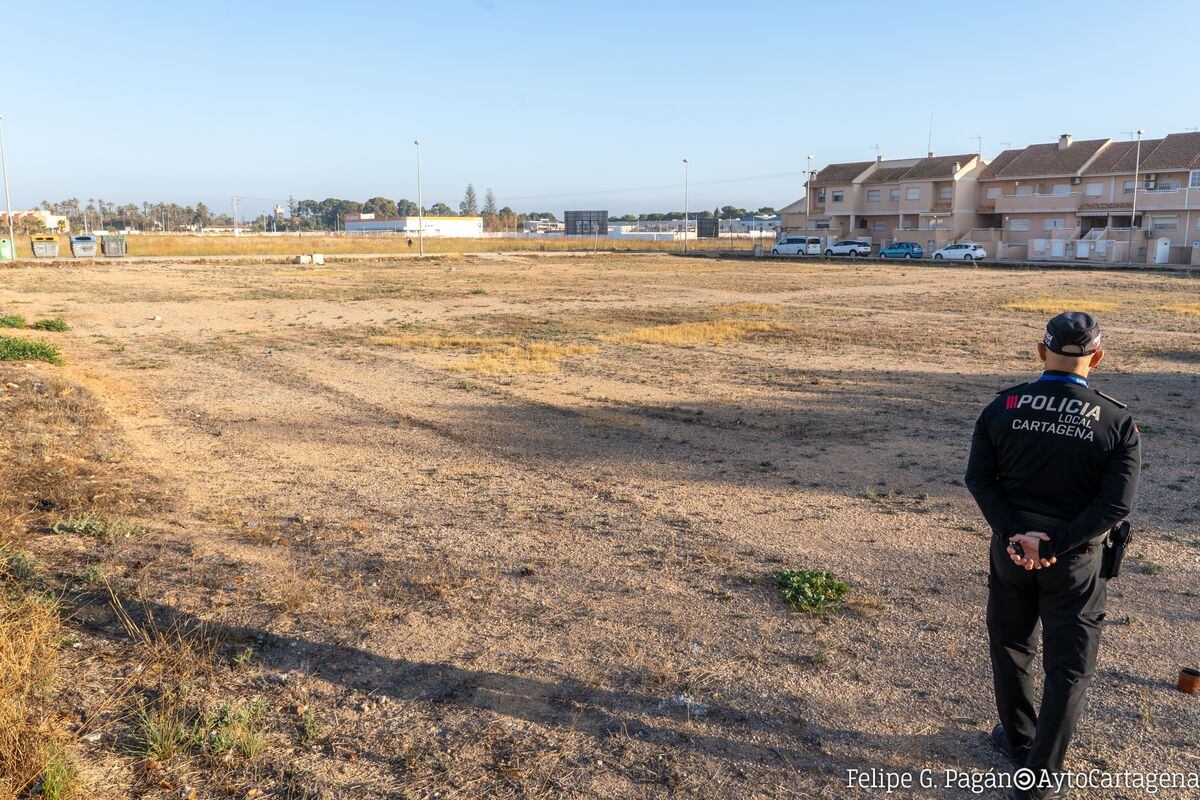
[{"x": 1064, "y": 378}]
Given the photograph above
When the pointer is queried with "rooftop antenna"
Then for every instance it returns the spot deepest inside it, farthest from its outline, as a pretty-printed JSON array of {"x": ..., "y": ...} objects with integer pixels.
[
  {"x": 979, "y": 138},
  {"x": 929, "y": 144},
  {"x": 875, "y": 147}
]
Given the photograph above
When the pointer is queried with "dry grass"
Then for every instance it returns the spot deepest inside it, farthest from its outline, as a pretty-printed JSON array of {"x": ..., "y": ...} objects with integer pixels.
[
  {"x": 695, "y": 332},
  {"x": 30, "y": 739},
  {"x": 445, "y": 342},
  {"x": 259, "y": 245},
  {"x": 765, "y": 309},
  {"x": 536, "y": 357},
  {"x": 1191, "y": 309},
  {"x": 1058, "y": 305}
]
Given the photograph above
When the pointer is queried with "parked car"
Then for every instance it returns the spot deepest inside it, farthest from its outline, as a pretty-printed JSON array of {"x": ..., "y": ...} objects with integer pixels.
[
  {"x": 963, "y": 251},
  {"x": 797, "y": 246},
  {"x": 902, "y": 250},
  {"x": 849, "y": 247}
]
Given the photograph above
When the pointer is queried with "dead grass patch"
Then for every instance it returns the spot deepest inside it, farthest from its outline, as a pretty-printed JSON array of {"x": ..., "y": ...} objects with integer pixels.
[
  {"x": 695, "y": 332},
  {"x": 1191, "y": 309},
  {"x": 536, "y": 357},
  {"x": 1048, "y": 305},
  {"x": 751, "y": 308},
  {"x": 445, "y": 342}
]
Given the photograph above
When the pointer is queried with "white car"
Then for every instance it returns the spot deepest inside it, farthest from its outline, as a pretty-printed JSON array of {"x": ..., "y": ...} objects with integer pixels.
[
  {"x": 850, "y": 247},
  {"x": 963, "y": 251},
  {"x": 797, "y": 246}
]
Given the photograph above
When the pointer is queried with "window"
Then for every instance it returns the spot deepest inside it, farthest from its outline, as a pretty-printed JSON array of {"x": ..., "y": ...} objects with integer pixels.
[
  {"x": 913, "y": 193},
  {"x": 1194, "y": 179},
  {"x": 880, "y": 226},
  {"x": 821, "y": 195},
  {"x": 1094, "y": 189},
  {"x": 1164, "y": 223},
  {"x": 1128, "y": 187},
  {"x": 839, "y": 196},
  {"x": 993, "y": 192},
  {"x": 1024, "y": 191},
  {"x": 873, "y": 196},
  {"x": 945, "y": 192},
  {"x": 1168, "y": 186},
  {"x": 895, "y": 193},
  {"x": 862, "y": 223},
  {"x": 822, "y": 224},
  {"x": 1019, "y": 225},
  {"x": 1053, "y": 223},
  {"x": 1060, "y": 189}
]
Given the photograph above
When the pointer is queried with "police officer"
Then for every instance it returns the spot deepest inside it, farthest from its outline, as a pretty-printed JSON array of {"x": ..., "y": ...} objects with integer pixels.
[{"x": 1054, "y": 466}]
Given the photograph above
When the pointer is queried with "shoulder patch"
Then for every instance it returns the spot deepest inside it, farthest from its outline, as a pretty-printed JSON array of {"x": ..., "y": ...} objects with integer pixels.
[
  {"x": 1112, "y": 400},
  {"x": 1014, "y": 386}
]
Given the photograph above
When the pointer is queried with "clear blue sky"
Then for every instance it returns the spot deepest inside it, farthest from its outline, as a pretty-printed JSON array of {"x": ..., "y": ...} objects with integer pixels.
[{"x": 559, "y": 104}]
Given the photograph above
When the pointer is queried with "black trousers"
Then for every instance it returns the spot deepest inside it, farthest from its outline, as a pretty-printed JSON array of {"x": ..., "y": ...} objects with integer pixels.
[{"x": 1068, "y": 600}]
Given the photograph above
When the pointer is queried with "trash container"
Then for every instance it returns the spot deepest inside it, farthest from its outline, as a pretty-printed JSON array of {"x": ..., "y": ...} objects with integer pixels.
[
  {"x": 83, "y": 246},
  {"x": 6, "y": 250},
  {"x": 113, "y": 246},
  {"x": 44, "y": 246}
]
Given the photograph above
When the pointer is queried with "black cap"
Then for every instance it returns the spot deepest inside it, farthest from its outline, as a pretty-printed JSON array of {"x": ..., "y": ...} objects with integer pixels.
[{"x": 1073, "y": 333}]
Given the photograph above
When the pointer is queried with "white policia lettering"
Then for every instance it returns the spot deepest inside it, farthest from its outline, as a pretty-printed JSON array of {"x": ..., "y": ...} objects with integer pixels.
[{"x": 1066, "y": 405}]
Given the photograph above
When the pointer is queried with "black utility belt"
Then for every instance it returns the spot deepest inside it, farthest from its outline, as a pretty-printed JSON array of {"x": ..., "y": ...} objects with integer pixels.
[{"x": 1115, "y": 544}]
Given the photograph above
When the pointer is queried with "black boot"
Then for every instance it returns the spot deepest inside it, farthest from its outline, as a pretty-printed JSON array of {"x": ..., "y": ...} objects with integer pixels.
[{"x": 1001, "y": 743}]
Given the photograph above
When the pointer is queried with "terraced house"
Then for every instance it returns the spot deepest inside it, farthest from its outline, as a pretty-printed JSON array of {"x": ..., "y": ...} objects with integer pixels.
[
  {"x": 930, "y": 200},
  {"x": 1076, "y": 200},
  {"x": 1093, "y": 200}
]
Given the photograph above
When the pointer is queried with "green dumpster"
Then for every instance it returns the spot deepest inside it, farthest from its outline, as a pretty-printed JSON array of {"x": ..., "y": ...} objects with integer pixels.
[
  {"x": 6, "y": 250},
  {"x": 44, "y": 245},
  {"x": 83, "y": 246},
  {"x": 113, "y": 246}
]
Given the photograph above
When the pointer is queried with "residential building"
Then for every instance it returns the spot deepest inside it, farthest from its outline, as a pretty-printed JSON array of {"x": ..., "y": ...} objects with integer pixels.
[
  {"x": 930, "y": 200},
  {"x": 1075, "y": 200},
  {"x": 453, "y": 227},
  {"x": 54, "y": 223}
]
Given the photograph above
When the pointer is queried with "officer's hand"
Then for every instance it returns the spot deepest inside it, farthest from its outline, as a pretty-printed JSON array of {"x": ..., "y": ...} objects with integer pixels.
[{"x": 1029, "y": 542}]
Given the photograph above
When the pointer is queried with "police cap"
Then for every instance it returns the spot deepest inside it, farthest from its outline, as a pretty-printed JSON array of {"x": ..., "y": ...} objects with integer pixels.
[{"x": 1073, "y": 333}]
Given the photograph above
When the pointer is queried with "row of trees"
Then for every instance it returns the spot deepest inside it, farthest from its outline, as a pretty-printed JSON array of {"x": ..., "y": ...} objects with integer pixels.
[{"x": 316, "y": 215}]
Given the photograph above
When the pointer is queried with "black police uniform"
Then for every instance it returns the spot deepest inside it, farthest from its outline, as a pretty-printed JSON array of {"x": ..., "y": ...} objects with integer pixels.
[{"x": 1059, "y": 457}]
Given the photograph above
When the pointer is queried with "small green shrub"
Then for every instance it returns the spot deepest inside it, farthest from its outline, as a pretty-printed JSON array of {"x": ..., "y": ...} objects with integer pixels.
[
  {"x": 811, "y": 590},
  {"x": 13, "y": 348},
  {"x": 20, "y": 566},
  {"x": 106, "y": 530},
  {"x": 92, "y": 575},
  {"x": 163, "y": 732},
  {"x": 58, "y": 780},
  {"x": 56, "y": 324},
  {"x": 12, "y": 321}
]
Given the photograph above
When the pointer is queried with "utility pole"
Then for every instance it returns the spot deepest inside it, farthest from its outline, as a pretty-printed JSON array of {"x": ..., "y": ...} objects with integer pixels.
[
  {"x": 807, "y": 197},
  {"x": 1137, "y": 164},
  {"x": 685, "y": 204},
  {"x": 12, "y": 239},
  {"x": 234, "y": 202},
  {"x": 420, "y": 204}
]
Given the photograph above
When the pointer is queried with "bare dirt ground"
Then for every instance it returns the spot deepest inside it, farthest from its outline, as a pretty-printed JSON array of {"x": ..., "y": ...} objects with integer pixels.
[{"x": 459, "y": 535}]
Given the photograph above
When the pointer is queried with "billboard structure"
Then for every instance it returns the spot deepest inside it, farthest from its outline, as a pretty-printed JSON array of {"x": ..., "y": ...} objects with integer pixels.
[
  {"x": 585, "y": 223},
  {"x": 708, "y": 228}
]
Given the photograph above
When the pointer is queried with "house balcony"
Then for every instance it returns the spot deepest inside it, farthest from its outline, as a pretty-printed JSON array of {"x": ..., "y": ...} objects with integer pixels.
[
  {"x": 1033, "y": 203},
  {"x": 942, "y": 206},
  {"x": 1147, "y": 200}
]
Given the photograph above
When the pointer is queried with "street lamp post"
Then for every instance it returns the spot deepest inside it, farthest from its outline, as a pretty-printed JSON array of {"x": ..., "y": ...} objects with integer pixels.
[
  {"x": 685, "y": 204},
  {"x": 1137, "y": 164},
  {"x": 807, "y": 197},
  {"x": 420, "y": 204},
  {"x": 12, "y": 239}
]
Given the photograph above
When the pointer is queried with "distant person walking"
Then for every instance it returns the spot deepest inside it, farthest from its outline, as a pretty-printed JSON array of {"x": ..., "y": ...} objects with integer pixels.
[
  {"x": 410, "y": 243},
  {"x": 1054, "y": 468}
]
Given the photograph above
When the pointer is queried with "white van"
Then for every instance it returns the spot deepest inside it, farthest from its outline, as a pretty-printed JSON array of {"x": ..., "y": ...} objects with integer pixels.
[{"x": 797, "y": 246}]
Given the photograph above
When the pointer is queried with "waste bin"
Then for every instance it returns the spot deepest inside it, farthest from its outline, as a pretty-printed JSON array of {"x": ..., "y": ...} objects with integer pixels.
[
  {"x": 113, "y": 246},
  {"x": 83, "y": 246},
  {"x": 44, "y": 246},
  {"x": 6, "y": 250}
]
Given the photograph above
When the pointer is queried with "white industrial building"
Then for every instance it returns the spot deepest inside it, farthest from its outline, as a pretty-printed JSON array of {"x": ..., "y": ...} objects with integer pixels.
[{"x": 449, "y": 227}]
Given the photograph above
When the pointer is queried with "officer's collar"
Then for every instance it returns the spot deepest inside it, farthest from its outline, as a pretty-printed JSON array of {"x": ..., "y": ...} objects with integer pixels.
[{"x": 1063, "y": 377}]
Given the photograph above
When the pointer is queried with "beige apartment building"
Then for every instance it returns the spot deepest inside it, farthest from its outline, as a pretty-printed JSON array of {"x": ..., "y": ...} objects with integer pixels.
[
  {"x": 929, "y": 200},
  {"x": 1075, "y": 200},
  {"x": 1064, "y": 200}
]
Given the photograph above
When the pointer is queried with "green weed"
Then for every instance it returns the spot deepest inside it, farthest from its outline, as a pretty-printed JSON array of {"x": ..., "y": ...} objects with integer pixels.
[
  {"x": 13, "y": 348},
  {"x": 56, "y": 324},
  {"x": 811, "y": 590},
  {"x": 12, "y": 321}
]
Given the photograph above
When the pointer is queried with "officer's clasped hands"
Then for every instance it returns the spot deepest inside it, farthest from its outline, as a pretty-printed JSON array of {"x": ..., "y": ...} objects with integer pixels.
[{"x": 1024, "y": 550}]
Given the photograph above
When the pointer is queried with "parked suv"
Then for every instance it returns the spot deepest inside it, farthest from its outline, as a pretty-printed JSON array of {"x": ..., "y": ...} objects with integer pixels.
[
  {"x": 902, "y": 250},
  {"x": 963, "y": 251},
  {"x": 797, "y": 246},
  {"x": 849, "y": 247}
]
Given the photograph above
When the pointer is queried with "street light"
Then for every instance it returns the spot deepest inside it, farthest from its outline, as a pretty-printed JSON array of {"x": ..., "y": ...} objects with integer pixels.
[
  {"x": 12, "y": 239},
  {"x": 420, "y": 205},
  {"x": 1137, "y": 163},
  {"x": 685, "y": 204},
  {"x": 807, "y": 192}
]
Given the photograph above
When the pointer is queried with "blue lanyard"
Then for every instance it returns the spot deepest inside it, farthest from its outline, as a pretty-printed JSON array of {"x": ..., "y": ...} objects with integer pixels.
[{"x": 1075, "y": 379}]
